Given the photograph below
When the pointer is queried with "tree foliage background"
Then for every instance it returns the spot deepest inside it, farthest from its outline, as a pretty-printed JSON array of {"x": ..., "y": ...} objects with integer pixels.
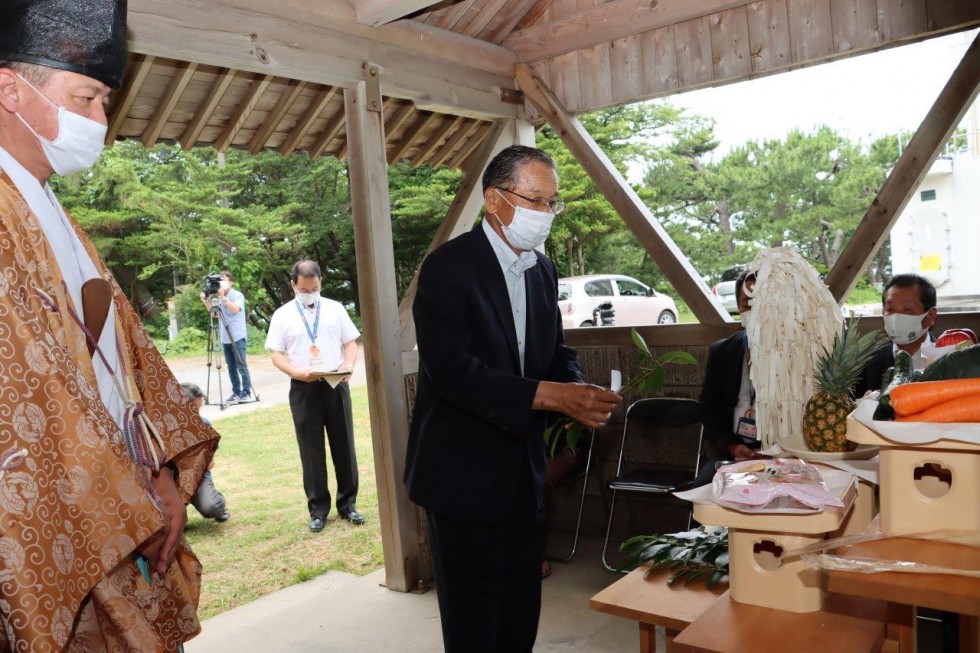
[{"x": 164, "y": 218}]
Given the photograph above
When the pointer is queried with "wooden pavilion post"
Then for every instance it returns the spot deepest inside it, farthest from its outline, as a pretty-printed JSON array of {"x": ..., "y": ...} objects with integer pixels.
[{"x": 374, "y": 250}]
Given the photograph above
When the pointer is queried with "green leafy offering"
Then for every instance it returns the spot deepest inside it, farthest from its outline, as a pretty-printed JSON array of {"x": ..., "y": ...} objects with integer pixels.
[
  {"x": 701, "y": 553},
  {"x": 649, "y": 381}
]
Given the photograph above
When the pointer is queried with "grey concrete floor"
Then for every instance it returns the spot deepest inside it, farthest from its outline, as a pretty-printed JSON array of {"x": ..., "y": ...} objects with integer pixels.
[{"x": 339, "y": 612}]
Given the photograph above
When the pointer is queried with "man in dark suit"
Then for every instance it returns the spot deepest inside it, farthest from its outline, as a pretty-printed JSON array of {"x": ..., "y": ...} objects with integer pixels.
[
  {"x": 492, "y": 362},
  {"x": 727, "y": 397},
  {"x": 908, "y": 308}
]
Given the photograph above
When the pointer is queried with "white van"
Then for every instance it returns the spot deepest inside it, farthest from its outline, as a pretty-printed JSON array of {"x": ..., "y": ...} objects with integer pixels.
[{"x": 634, "y": 303}]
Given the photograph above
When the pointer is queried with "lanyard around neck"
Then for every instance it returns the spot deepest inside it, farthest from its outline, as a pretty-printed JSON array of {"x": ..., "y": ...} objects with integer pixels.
[{"x": 316, "y": 321}]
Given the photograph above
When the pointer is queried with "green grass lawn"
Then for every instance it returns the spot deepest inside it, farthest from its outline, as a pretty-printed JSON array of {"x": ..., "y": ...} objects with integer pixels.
[{"x": 267, "y": 545}]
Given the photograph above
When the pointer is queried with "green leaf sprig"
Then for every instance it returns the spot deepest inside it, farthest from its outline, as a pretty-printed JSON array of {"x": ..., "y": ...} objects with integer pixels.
[{"x": 696, "y": 554}]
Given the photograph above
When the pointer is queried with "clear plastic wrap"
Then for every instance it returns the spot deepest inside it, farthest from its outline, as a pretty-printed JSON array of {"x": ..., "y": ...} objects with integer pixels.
[{"x": 772, "y": 486}]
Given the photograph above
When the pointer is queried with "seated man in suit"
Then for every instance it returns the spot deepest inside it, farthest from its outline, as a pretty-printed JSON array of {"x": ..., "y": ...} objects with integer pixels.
[
  {"x": 908, "y": 307},
  {"x": 727, "y": 397}
]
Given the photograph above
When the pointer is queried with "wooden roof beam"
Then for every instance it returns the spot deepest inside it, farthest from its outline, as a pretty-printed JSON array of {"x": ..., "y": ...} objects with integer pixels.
[
  {"x": 446, "y": 150},
  {"x": 489, "y": 11},
  {"x": 317, "y": 107},
  {"x": 167, "y": 103},
  {"x": 509, "y": 17},
  {"x": 651, "y": 234},
  {"x": 289, "y": 96},
  {"x": 204, "y": 112},
  {"x": 451, "y": 17},
  {"x": 379, "y": 12},
  {"x": 245, "y": 108},
  {"x": 946, "y": 112},
  {"x": 433, "y": 141},
  {"x": 329, "y": 133},
  {"x": 413, "y": 130},
  {"x": 130, "y": 89},
  {"x": 604, "y": 23},
  {"x": 469, "y": 146},
  {"x": 322, "y": 43}
]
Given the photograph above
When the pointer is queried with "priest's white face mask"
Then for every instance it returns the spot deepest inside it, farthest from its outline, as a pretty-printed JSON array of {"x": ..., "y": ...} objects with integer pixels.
[{"x": 79, "y": 141}]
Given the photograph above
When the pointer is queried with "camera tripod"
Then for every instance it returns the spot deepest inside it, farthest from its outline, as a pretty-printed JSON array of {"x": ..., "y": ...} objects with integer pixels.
[{"x": 214, "y": 344}]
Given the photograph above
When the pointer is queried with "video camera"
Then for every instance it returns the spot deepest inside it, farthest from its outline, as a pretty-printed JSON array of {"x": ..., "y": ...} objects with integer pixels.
[{"x": 212, "y": 284}]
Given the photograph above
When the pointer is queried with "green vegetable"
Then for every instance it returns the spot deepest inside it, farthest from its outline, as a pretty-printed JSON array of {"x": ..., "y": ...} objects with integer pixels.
[
  {"x": 903, "y": 372},
  {"x": 960, "y": 364}
]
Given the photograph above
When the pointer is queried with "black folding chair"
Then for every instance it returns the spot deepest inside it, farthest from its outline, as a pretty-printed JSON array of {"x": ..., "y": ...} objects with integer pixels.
[{"x": 671, "y": 429}]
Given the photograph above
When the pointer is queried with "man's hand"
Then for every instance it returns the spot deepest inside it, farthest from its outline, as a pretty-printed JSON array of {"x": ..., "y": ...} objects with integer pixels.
[
  {"x": 587, "y": 404},
  {"x": 741, "y": 452},
  {"x": 162, "y": 546}
]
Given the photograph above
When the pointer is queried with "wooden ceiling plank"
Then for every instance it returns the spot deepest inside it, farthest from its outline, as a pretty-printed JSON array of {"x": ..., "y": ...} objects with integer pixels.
[
  {"x": 436, "y": 69},
  {"x": 245, "y": 108},
  {"x": 946, "y": 112},
  {"x": 469, "y": 146},
  {"x": 507, "y": 20},
  {"x": 605, "y": 22},
  {"x": 487, "y": 13},
  {"x": 128, "y": 94},
  {"x": 289, "y": 96},
  {"x": 329, "y": 133},
  {"x": 222, "y": 82},
  {"x": 408, "y": 139},
  {"x": 398, "y": 118},
  {"x": 651, "y": 234},
  {"x": 317, "y": 107},
  {"x": 446, "y": 150},
  {"x": 433, "y": 141},
  {"x": 537, "y": 10},
  {"x": 165, "y": 107},
  {"x": 378, "y": 12},
  {"x": 453, "y": 15}
]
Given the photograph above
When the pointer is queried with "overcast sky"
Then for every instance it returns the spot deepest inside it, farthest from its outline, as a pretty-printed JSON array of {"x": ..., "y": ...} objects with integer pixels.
[{"x": 863, "y": 97}]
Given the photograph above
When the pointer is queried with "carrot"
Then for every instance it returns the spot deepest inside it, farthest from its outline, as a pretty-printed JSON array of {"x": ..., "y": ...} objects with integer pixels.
[
  {"x": 964, "y": 409},
  {"x": 911, "y": 398}
]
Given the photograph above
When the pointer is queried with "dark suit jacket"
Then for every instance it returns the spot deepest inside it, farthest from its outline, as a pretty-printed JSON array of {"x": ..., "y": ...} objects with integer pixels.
[
  {"x": 473, "y": 431},
  {"x": 719, "y": 391},
  {"x": 874, "y": 370}
]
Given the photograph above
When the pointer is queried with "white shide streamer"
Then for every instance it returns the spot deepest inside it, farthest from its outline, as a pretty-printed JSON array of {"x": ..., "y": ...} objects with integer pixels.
[{"x": 794, "y": 318}]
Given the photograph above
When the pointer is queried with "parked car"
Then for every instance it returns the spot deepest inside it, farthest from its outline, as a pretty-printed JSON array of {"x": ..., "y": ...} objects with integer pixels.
[
  {"x": 725, "y": 289},
  {"x": 634, "y": 303}
]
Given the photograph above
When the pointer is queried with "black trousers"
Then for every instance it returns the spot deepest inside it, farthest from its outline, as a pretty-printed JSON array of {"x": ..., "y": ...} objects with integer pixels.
[
  {"x": 315, "y": 407},
  {"x": 488, "y": 578}
]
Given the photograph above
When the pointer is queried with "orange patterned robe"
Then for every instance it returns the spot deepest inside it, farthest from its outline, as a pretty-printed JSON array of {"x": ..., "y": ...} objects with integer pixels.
[{"x": 73, "y": 504}]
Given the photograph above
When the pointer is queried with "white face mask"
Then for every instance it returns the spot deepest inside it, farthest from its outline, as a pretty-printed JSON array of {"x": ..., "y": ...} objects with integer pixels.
[
  {"x": 307, "y": 298},
  {"x": 225, "y": 284},
  {"x": 528, "y": 229},
  {"x": 79, "y": 142},
  {"x": 904, "y": 329}
]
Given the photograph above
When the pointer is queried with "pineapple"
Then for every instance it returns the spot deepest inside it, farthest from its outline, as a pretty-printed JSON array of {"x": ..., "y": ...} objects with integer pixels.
[{"x": 825, "y": 416}]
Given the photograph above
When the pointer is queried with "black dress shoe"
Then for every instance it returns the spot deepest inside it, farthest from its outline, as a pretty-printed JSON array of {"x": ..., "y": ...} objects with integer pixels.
[
  {"x": 317, "y": 524},
  {"x": 353, "y": 517}
]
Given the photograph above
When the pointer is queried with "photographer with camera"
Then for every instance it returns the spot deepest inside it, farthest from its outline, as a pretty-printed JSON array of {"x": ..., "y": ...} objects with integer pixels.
[{"x": 228, "y": 306}]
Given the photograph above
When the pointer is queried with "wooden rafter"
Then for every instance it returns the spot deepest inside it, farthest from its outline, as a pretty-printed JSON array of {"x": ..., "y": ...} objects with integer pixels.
[
  {"x": 197, "y": 124},
  {"x": 509, "y": 17},
  {"x": 453, "y": 15},
  {"x": 329, "y": 133},
  {"x": 537, "y": 10},
  {"x": 165, "y": 107},
  {"x": 651, "y": 234},
  {"x": 470, "y": 145},
  {"x": 317, "y": 107},
  {"x": 433, "y": 141},
  {"x": 379, "y": 12},
  {"x": 458, "y": 137},
  {"x": 398, "y": 153},
  {"x": 488, "y": 12},
  {"x": 398, "y": 118},
  {"x": 946, "y": 112},
  {"x": 289, "y": 96},
  {"x": 245, "y": 108},
  {"x": 604, "y": 23},
  {"x": 130, "y": 89}
]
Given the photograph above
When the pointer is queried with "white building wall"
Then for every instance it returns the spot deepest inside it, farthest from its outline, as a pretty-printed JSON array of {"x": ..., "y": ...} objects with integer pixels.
[{"x": 940, "y": 238}]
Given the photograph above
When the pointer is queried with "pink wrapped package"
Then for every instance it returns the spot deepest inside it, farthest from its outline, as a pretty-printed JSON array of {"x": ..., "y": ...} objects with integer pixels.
[{"x": 772, "y": 486}]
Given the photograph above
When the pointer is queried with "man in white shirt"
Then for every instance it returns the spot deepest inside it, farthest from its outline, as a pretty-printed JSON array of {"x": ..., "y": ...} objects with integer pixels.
[{"x": 308, "y": 336}]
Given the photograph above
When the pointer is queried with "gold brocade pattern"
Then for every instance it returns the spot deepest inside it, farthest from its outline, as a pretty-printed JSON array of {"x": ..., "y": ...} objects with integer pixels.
[{"x": 74, "y": 507}]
